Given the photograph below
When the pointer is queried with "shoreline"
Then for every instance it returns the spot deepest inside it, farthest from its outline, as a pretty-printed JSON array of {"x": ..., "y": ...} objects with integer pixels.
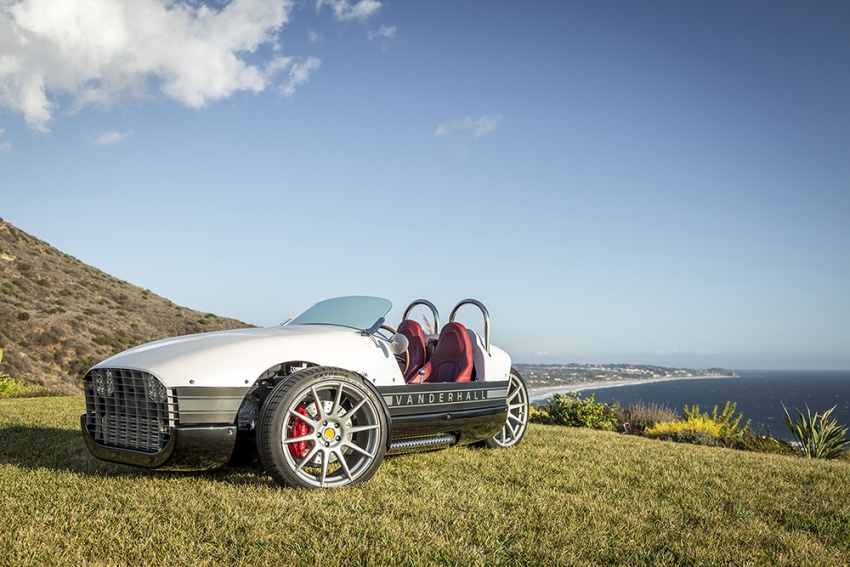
[{"x": 541, "y": 394}]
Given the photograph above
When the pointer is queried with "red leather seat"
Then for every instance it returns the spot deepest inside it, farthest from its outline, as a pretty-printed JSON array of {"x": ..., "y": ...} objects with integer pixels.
[
  {"x": 416, "y": 346},
  {"x": 452, "y": 359}
]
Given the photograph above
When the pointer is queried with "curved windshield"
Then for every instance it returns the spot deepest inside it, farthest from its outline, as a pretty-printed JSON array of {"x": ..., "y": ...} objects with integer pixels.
[{"x": 357, "y": 312}]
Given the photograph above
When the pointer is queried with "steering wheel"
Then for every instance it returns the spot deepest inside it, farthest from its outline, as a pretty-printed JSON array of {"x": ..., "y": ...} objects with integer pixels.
[{"x": 403, "y": 359}]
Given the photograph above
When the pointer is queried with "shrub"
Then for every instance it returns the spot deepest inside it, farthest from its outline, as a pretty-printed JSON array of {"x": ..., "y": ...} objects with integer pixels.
[
  {"x": 12, "y": 387},
  {"x": 695, "y": 424},
  {"x": 637, "y": 418},
  {"x": 750, "y": 441},
  {"x": 714, "y": 429},
  {"x": 819, "y": 437},
  {"x": 537, "y": 414},
  {"x": 725, "y": 420},
  {"x": 692, "y": 437},
  {"x": 573, "y": 411},
  {"x": 5, "y": 380}
]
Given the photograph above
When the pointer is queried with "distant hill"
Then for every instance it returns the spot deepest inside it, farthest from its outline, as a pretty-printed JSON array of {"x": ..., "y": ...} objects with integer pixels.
[{"x": 59, "y": 316}]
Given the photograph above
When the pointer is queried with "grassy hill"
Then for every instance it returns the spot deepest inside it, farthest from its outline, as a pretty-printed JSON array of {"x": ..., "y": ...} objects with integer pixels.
[
  {"x": 59, "y": 316},
  {"x": 563, "y": 497}
]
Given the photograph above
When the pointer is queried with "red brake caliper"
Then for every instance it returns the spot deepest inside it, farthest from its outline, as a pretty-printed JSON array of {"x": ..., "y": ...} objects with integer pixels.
[{"x": 298, "y": 428}]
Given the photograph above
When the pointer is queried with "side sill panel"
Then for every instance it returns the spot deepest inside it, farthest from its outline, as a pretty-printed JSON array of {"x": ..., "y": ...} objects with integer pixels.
[{"x": 469, "y": 425}]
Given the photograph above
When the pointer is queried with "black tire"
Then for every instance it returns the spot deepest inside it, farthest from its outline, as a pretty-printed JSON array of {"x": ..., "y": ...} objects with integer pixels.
[
  {"x": 517, "y": 420},
  {"x": 338, "y": 441}
]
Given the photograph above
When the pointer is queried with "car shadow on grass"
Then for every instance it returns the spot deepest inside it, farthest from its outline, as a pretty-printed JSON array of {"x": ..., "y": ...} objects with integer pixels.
[{"x": 64, "y": 450}]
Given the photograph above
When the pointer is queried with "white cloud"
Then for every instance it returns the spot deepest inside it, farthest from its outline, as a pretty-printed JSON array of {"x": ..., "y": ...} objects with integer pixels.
[
  {"x": 344, "y": 10},
  {"x": 4, "y": 146},
  {"x": 467, "y": 125},
  {"x": 299, "y": 73},
  {"x": 485, "y": 125},
  {"x": 314, "y": 36},
  {"x": 383, "y": 32},
  {"x": 109, "y": 138},
  {"x": 76, "y": 53}
]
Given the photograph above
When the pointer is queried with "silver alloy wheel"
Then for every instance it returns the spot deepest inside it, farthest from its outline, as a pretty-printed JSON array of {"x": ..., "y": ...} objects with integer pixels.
[
  {"x": 343, "y": 437},
  {"x": 517, "y": 419},
  {"x": 321, "y": 427}
]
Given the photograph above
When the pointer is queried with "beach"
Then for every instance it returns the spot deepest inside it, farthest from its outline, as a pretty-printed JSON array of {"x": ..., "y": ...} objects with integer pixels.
[{"x": 541, "y": 394}]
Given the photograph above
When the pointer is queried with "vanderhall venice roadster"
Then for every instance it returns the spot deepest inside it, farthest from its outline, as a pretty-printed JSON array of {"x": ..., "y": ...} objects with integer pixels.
[{"x": 319, "y": 400}]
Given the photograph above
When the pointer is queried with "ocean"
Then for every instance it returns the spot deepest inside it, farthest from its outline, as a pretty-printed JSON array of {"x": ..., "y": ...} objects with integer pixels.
[{"x": 758, "y": 393}]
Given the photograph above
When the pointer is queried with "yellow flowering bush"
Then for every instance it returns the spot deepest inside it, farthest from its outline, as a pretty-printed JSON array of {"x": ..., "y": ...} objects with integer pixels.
[
  {"x": 536, "y": 414},
  {"x": 730, "y": 426},
  {"x": 699, "y": 430},
  {"x": 699, "y": 423}
]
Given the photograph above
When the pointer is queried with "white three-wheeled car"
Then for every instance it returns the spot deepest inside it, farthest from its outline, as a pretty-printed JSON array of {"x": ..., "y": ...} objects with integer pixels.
[{"x": 319, "y": 400}]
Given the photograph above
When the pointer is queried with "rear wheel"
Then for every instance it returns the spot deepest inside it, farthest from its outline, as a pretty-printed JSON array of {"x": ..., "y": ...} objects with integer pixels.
[
  {"x": 322, "y": 427},
  {"x": 517, "y": 420}
]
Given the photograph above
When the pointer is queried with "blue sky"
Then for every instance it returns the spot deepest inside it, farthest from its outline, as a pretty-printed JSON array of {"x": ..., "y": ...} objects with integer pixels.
[{"x": 618, "y": 181}]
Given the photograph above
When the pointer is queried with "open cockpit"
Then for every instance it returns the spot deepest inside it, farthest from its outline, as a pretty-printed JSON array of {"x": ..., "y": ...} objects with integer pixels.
[{"x": 453, "y": 353}]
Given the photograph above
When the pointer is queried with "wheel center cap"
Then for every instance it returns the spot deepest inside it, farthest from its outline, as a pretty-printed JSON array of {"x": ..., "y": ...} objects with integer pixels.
[{"x": 329, "y": 434}]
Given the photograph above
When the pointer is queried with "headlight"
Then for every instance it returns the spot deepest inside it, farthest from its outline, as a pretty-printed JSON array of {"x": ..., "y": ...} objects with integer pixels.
[
  {"x": 103, "y": 383},
  {"x": 156, "y": 391}
]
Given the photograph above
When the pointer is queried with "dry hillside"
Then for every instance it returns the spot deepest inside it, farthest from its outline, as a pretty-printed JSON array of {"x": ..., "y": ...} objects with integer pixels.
[{"x": 59, "y": 316}]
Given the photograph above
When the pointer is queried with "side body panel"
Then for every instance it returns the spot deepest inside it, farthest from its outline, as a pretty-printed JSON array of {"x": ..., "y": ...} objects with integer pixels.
[{"x": 471, "y": 411}]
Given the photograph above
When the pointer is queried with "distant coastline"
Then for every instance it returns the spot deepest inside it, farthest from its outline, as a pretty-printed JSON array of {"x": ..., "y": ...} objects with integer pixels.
[
  {"x": 540, "y": 394},
  {"x": 543, "y": 380}
]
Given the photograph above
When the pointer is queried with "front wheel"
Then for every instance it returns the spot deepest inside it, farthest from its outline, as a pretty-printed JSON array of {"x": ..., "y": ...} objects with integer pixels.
[
  {"x": 321, "y": 427},
  {"x": 517, "y": 420}
]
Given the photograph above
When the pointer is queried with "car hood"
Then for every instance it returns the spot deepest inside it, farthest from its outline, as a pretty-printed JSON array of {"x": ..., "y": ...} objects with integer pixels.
[{"x": 238, "y": 357}]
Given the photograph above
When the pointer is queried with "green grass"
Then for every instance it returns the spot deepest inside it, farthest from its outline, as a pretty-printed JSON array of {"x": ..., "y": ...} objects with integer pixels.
[{"x": 564, "y": 496}]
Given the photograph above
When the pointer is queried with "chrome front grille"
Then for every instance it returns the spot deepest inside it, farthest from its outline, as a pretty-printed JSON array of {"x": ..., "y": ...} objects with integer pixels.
[{"x": 129, "y": 409}]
